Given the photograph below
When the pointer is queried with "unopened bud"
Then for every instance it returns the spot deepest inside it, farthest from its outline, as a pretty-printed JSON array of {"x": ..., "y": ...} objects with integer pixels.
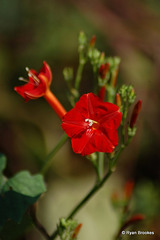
[
  {"x": 102, "y": 92},
  {"x": 68, "y": 74},
  {"x": 102, "y": 56},
  {"x": 82, "y": 41},
  {"x": 128, "y": 189},
  {"x": 76, "y": 231},
  {"x": 131, "y": 94},
  {"x": 137, "y": 217},
  {"x": 92, "y": 41},
  {"x": 118, "y": 100},
  {"x": 115, "y": 197},
  {"x": 114, "y": 77},
  {"x": 135, "y": 113},
  {"x": 103, "y": 70}
]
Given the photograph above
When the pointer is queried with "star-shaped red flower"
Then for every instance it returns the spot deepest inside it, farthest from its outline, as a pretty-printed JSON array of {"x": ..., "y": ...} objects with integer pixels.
[
  {"x": 37, "y": 85},
  {"x": 92, "y": 125}
]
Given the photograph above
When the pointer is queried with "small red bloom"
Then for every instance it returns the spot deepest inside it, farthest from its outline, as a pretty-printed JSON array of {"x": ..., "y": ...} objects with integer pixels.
[
  {"x": 92, "y": 125},
  {"x": 37, "y": 85}
]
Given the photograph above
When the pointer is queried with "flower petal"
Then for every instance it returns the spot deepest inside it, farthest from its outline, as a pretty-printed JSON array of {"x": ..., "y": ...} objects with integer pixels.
[
  {"x": 111, "y": 120},
  {"x": 36, "y": 92},
  {"x": 46, "y": 71},
  {"x": 73, "y": 123},
  {"x": 22, "y": 89},
  {"x": 91, "y": 141},
  {"x": 82, "y": 143}
]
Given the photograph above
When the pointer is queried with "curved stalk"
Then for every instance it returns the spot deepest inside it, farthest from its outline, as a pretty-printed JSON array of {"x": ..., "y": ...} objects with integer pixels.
[
  {"x": 49, "y": 158},
  {"x": 84, "y": 200}
]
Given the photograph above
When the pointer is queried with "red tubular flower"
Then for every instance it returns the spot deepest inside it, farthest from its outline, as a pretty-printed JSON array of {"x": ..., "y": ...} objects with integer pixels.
[
  {"x": 135, "y": 113},
  {"x": 39, "y": 86},
  {"x": 92, "y": 125}
]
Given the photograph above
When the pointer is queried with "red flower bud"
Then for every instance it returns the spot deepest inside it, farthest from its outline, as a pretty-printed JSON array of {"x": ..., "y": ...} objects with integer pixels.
[
  {"x": 115, "y": 197},
  {"x": 76, "y": 231},
  {"x": 92, "y": 41},
  {"x": 135, "y": 113},
  {"x": 114, "y": 77},
  {"x": 136, "y": 218},
  {"x": 103, "y": 70},
  {"x": 102, "y": 92},
  {"x": 118, "y": 100},
  {"x": 128, "y": 189}
]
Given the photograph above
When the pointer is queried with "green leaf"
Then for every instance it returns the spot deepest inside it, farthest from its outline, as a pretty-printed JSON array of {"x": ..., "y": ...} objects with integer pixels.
[
  {"x": 18, "y": 193},
  {"x": 26, "y": 184},
  {"x": 2, "y": 167},
  {"x": 2, "y": 162}
]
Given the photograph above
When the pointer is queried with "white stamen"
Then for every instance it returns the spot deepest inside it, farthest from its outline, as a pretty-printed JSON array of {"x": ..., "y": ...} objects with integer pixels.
[
  {"x": 32, "y": 75},
  {"x": 90, "y": 121},
  {"x": 22, "y": 79},
  {"x": 27, "y": 69}
]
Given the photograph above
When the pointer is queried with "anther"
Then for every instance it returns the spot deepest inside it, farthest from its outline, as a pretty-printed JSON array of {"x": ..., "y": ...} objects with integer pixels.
[
  {"x": 32, "y": 75},
  {"x": 22, "y": 79},
  {"x": 27, "y": 69}
]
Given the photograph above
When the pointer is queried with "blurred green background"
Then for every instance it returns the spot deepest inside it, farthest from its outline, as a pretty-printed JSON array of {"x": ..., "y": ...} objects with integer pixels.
[{"x": 34, "y": 30}]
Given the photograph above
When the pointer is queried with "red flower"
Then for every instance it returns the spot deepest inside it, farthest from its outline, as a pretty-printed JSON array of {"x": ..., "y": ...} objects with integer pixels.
[
  {"x": 92, "y": 125},
  {"x": 37, "y": 85}
]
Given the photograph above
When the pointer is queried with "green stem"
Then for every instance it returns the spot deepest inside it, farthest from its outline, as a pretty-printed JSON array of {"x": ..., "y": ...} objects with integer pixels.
[
  {"x": 79, "y": 73},
  {"x": 49, "y": 158},
  {"x": 114, "y": 161},
  {"x": 100, "y": 165},
  {"x": 84, "y": 200},
  {"x": 95, "y": 79},
  {"x": 123, "y": 122}
]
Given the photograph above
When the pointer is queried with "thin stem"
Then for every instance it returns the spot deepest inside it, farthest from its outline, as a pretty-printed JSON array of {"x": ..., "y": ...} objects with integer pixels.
[
  {"x": 50, "y": 156},
  {"x": 37, "y": 224},
  {"x": 123, "y": 121},
  {"x": 95, "y": 78},
  {"x": 79, "y": 71},
  {"x": 84, "y": 200},
  {"x": 114, "y": 162},
  {"x": 100, "y": 165}
]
